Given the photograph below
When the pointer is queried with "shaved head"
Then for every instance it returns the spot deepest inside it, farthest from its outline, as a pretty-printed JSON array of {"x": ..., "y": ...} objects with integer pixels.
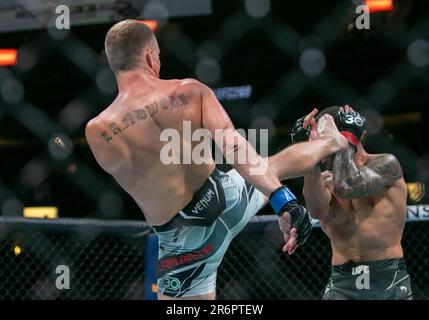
[{"x": 125, "y": 42}]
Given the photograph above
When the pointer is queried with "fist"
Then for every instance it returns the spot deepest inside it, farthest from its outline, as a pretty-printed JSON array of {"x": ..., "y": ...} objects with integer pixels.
[
  {"x": 299, "y": 133},
  {"x": 352, "y": 122},
  {"x": 304, "y": 128}
]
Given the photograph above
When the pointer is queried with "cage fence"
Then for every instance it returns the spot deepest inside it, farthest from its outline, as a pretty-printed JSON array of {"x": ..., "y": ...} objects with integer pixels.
[{"x": 111, "y": 262}]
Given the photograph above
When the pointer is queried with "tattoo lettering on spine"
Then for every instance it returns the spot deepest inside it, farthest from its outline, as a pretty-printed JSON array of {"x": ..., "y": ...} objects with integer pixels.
[
  {"x": 353, "y": 182},
  {"x": 131, "y": 119}
]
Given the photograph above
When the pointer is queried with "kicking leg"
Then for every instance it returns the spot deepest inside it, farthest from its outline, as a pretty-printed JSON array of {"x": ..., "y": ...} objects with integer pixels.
[{"x": 298, "y": 159}]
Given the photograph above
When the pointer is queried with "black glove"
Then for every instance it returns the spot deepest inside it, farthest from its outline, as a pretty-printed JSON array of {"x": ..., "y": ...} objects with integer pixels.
[
  {"x": 351, "y": 125},
  {"x": 300, "y": 220},
  {"x": 283, "y": 200},
  {"x": 298, "y": 133}
]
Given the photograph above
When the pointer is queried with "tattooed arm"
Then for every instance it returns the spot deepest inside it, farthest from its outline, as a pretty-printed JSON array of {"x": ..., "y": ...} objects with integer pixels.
[{"x": 352, "y": 182}]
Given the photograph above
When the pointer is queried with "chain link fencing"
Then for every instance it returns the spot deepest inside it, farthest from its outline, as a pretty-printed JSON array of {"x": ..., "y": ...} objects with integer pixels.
[
  {"x": 109, "y": 261},
  {"x": 104, "y": 260},
  {"x": 255, "y": 268}
]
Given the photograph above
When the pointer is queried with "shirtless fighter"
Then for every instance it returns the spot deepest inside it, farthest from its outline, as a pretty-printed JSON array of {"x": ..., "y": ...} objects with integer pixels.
[
  {"x": 360, "y": 201},
  {"x": 195, "y": 209}
]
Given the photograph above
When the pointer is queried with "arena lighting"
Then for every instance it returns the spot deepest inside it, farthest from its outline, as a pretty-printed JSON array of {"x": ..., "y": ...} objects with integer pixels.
[
  {"x": 379, "y": 5},
  {"x": 152, "y": 24},
  {"x": 8, "y": 57},
  {"x": 41, "y": 212},
  {"x": 401, "y": 118},
  {"x": 17, "y": 250}
]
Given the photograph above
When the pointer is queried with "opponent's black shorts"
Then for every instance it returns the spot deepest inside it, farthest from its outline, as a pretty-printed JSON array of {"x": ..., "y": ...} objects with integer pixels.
[{"x": 375, "y": 280}]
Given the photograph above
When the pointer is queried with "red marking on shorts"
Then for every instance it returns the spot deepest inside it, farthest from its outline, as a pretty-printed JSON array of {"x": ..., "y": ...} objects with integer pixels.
[{"x": 186, "y": 258}]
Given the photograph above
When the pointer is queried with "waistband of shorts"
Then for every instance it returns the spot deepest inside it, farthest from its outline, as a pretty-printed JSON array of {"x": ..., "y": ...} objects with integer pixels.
[
  {"x": 216, "y": 175},
  {"x": 351, "y": 267}
]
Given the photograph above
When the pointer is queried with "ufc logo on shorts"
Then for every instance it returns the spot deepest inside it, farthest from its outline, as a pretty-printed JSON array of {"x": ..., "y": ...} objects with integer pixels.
[
  {"x": 362, "y": 281},
  {"x": 357, "y": 120}
]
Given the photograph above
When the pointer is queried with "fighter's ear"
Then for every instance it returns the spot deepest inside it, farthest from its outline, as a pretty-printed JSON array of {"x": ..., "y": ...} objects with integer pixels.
[{"x": 148, "y": 58}]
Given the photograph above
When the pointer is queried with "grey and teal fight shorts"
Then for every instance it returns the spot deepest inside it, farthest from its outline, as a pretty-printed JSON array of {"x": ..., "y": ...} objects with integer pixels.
[
  {"x": 193, "y": 243},
  {"x": 375, "y": 280}
]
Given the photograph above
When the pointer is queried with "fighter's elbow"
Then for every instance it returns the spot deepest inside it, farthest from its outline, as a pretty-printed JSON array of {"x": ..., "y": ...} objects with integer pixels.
[
  {"x": 355, "y": 189},
  {"x": 344, "y": 192},
  {"x": 346, "y": 187}
]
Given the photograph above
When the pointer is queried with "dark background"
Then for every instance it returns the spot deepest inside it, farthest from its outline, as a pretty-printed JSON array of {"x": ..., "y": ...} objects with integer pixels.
[{"x": 65, "y": 82}]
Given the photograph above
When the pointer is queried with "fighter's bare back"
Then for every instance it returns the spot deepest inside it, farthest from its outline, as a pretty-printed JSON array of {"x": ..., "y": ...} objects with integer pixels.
[{"x": 125, "y": 139}]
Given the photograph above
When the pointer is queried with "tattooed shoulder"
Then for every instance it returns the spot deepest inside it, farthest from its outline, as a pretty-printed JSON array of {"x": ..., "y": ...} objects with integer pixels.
[
  {"x": 352, "y": 181},
  {"x": 386, "y": 165}
]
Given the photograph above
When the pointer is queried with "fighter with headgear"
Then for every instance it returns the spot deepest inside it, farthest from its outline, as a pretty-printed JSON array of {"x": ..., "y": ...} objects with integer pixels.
[{"x": 360, "y": 201}]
